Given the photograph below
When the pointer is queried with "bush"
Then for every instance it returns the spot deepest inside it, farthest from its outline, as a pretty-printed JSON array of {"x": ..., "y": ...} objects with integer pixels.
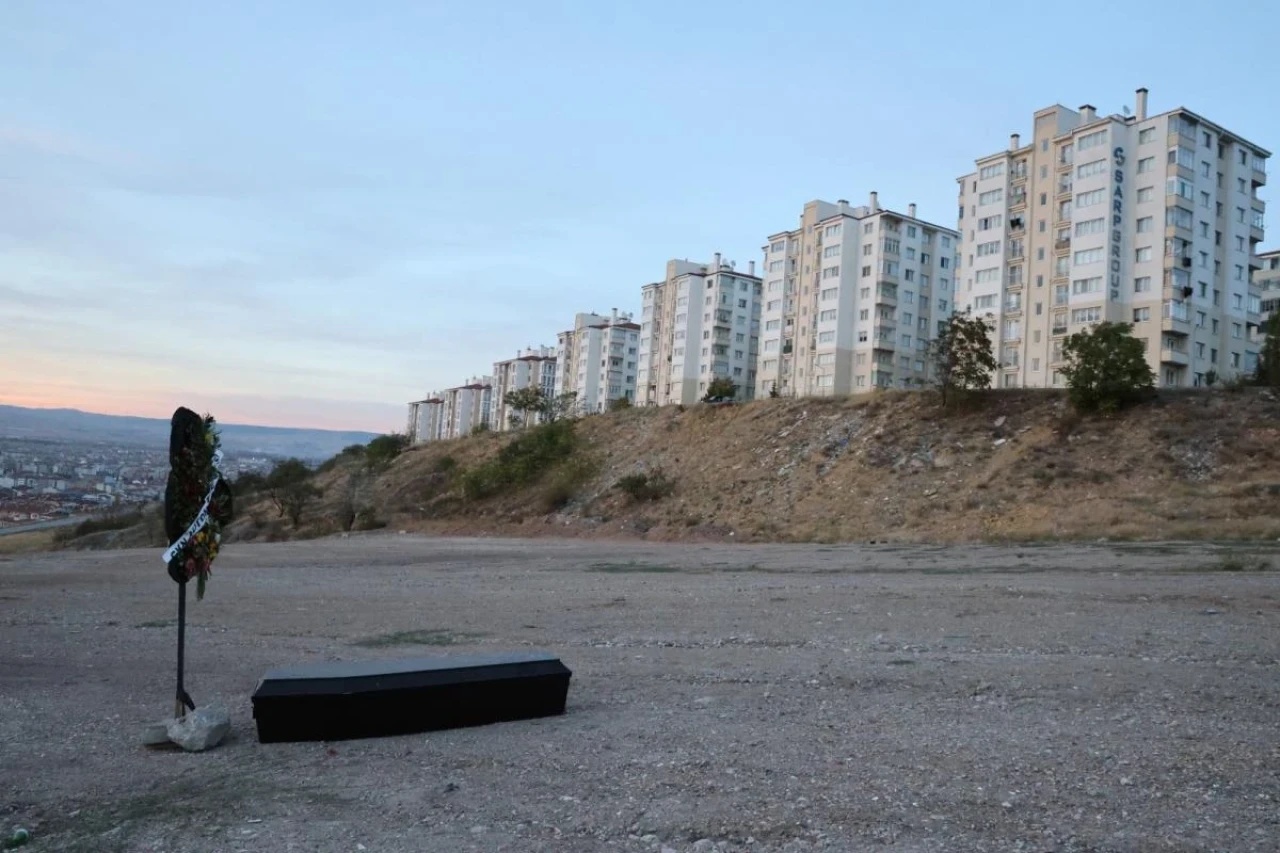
[
  {"x": 617, "y": 404},
  {"x": 961, "y": 356},
  {"x": 653, "y": 486},
  {"x": 566, "y": 483},
  {"x": 351, "y": 451},
  {"x": 114, "y": 520},
  {"x": 248, "y": 483},
  {"x": 290, "y": 488},
  {"x": 720, "y": 388},
  {"x": 523, "y": 460},
  {"x": 1106, "y": 368},
  {"x": 384, "y": 448},
  {"x": 367, "y": 519}
]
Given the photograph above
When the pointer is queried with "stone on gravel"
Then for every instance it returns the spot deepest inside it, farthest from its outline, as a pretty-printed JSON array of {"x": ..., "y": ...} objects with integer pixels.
[
  {"x": 204, "y": 728},
  {"x": 155, "y": 734}
]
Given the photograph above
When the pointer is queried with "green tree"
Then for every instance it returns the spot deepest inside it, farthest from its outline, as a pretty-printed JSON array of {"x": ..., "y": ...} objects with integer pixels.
[
  {"x": 773, "y": 391},
  {"x": 617, "y": 404},
  {"x": 523, "y": 402},
  {"x": 290, "y": 488},
  {"x": 1106, "y": 368},
  {"x": 720, "y": 388},
  {"x": 384, "y": 448},
  {"x": 962, "y": 356},
  {"x": 1268, "y": 370},
  {"x": 561, "y": 406}
]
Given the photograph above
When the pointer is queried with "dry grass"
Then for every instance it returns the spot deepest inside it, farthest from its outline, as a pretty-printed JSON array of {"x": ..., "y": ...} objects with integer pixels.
[{"x": 26, "y": 543}]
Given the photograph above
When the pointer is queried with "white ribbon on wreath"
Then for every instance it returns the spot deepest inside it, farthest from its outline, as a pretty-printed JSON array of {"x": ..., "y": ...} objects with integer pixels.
[{"x": 202, "y": 517}]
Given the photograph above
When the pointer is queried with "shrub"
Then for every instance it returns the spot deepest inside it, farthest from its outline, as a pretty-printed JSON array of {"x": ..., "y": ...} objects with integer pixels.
[
  {"x": 367, "y": 519},
  {"x": 652, "y": 486},
  {"x": 617, "y": 404},
  {"x": 445, "y": 465},
  {"x": 385, "y": 448},
  {"x": 720, "y": 388},
  {"x": 1268, "y": 370},
  {"x": 290, "y": 488},
  {"x": 523, "y": 460},
  {"x": 566, "y": 483},
  {"x": 248, "y": 483},
  {"x": 351, "y": 451},
  {"x": 114, "y": 520},
  {"x": 1106, "y": 368},
  {"x": 480, "y": 428}
]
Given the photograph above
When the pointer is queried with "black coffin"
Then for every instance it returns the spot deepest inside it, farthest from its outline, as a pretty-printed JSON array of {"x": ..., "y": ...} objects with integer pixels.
[{"x": 354, "y": 699}]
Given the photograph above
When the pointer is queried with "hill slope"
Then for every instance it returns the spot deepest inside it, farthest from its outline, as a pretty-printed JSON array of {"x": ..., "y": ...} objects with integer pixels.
[{"x": 891, "y": 466}]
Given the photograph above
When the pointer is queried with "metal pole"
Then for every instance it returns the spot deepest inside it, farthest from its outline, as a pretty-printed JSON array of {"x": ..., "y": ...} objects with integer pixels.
[{"x": 182, "y": 701}]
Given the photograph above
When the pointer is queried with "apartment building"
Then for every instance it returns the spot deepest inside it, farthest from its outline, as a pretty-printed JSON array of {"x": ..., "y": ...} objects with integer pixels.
[
  {"x": 700, "y": 323},
  {"x": 466, "y": 407},
  {"x": 1150, "y": 220},
  {"x": 597, "y": 360},
  {"x": 1266, "y": 280},
  {"x": 852, "y": 299},
  {"x": 533, "y": 367},
  {"x": 425, "y": 419}
]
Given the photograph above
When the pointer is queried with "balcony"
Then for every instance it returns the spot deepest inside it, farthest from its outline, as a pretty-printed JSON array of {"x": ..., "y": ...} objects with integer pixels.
[
  {"x": 1062, "y": 244},
  {"x": 1063, "y": 189},
  {"x": 1017, "y": 200},
  {"x": 1015, "y": 253},
  {"x": 1009, "y": 362},
  {"x": 1058, "y": 329},
  {"x": 1169, "y": 355},
  {"x": 1173, "y": 321}
]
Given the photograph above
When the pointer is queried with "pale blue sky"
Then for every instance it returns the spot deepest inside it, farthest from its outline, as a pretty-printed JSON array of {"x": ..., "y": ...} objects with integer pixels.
[{"x": 311, "y": 212}]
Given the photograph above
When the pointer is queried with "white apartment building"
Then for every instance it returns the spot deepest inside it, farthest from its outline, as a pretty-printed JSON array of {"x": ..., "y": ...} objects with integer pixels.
[
  {"x": 1150, "y": 220},
  {"x": 466, "y": 407},
  {"x": 597, "y": 360},
  {"x": 852, "y": 299},
  {"x": 426, "y": 419},
  {"x": 1266, "y": 280},
  {"x": 533, "y": 367},
  {"x": 700, "y": 323}
]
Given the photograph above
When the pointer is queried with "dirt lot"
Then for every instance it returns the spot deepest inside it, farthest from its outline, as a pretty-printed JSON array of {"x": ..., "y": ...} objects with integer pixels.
[{"x": 1064, "y": 698}]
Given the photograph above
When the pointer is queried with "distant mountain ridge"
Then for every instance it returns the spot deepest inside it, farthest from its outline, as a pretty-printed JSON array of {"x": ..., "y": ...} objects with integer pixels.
[{"x": 75, "y": 425}]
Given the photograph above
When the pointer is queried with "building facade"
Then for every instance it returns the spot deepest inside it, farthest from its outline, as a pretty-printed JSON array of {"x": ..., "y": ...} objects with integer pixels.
[
  {"x": 852, "y": 299},
  {"x": 425, "y": 419},
  {"x": 534, "y": 367},
  {"x": 1150, "y": 220},
  {"x": 700, "y": 323},
  {"x": 597, "y": 360},
  {"x": 466, "y": 407},
  {"x": 1266, "y": 280}
]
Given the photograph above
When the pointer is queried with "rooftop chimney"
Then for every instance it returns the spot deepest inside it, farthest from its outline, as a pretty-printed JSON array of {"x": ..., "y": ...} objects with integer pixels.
[
  {"x": 715, "y": 264},
  {"x": 1015, "y": 141},
  {"x": 911, "y": 210},
  {"x": 1140, "y": 105},
  {"x": 751, "y": 267},
  {"x": 842, "y": 201},
  {"x": 875, "y": 202},
  {"x": 1087, "y": 113}
]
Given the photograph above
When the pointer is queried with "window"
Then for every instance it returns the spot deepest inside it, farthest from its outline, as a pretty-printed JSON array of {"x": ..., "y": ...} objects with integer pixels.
[
  {"x": 942, "y": 305},
  {"x": 991, "y": 196},
  {"x": 829, "y": 314},
  {"x": 1142, "y": 284},
  {"x": 1146, "y": 135},
  {"x": 992, "y": 248},
  {"x": 944, "y": 263},
  {"x": 1087, "y": 285},
  {"x": 868, "y": 227},
  {"x": 778, "y": 246},
  {"x": 889, "y": 267},
  {"x": 771, "y": 305},
  {"x": 946, "y": 242},
  {"x": 1091, "y": 198},
  {"x": 1086, "y": 315},
  {"x": 771, "y": 345},
  {"x": 1091, "y": 140},
  {"x": 1146, "y": 164},
  {"x": 773, "y": 287},
  {"x": 829, "y": 293},
  {"x": 988, "y": 275},
  {"x": 1178, "y": 217},
  {"x": 831, "y": 272},
  {"x": 1142, "y": 255},
  {"x": 1239, "y": 273},
  {"x": 1089, "y": 256},
  {"x": 1235, "y": 330},
  {"x": 986, "y": 224},
  {"x": 891, "y": 245},
  {"x": 1141, "y": 314},
  {"x": 775, "y": 266},
  {"x": 995, "y": 170},
  {"x": 866, "y": 271},
  {"x": 1146, "y": 194},
  {"x": 826, "y": 358},
  {"x": 866, "y": 249},
  {"x": 826, "y": 337},
  {"x": 1091, "y": 226},
  {"x": 984, "y": 301},
  {"x": 1145, "y": 224},
  {"x": 1094, "y": 167},
  {"x": 1184, "y": 157},
  {"x": 1181, "y": 188},
  {"x": 742, "y": 303},
  {"x": 772, "y": 325},
  {"x": 832, "y": 230},
  {"x": 832, "y": 251},
  {"x": 1012, "y": 329}
]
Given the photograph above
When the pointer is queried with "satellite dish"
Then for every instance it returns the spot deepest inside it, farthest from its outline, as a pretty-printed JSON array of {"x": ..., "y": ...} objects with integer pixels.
[{"x": 1126, "y": 110}]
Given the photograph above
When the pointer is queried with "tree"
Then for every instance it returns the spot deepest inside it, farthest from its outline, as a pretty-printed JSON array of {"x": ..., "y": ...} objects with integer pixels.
[
  {"x": 1106, "y": 368},
  {"x": 720, "y": 388},
  {"x": 773, "y": 391},
  {"x": 1268, "y": 370},
  {"x": 561, "y": 406},
  {"x": 384, "y": 448},
  {"x": 962, "y": 356},
  {"x": 617, "y": 404},
  {"x": 290, "y": 488},
  {"x": 525, "y": 401}
]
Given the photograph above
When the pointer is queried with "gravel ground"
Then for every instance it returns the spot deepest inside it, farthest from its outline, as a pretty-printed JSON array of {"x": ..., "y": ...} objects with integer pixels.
[{"x": 745, "y": 698}]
